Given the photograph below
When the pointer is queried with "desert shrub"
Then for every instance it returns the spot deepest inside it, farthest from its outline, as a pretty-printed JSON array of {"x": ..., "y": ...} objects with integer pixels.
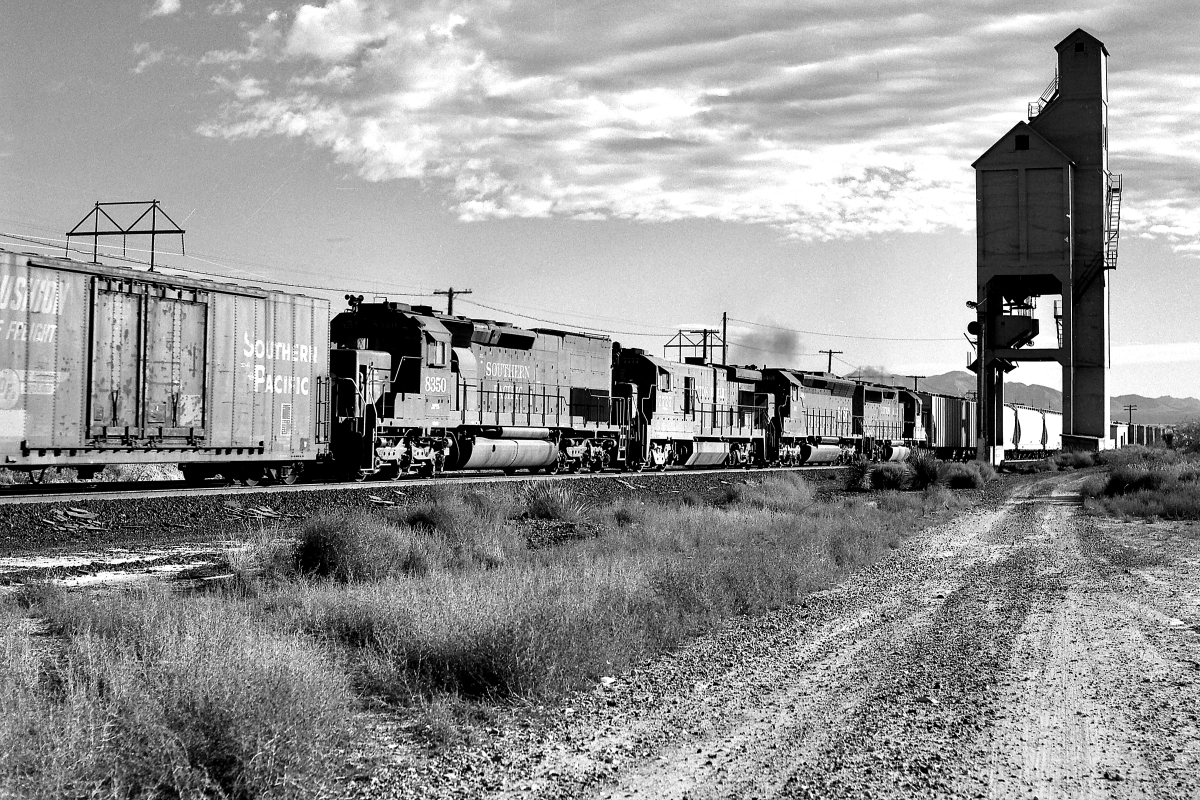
[
  {"x": 958, "y": 475},
  {"x": 785, "y": 492},
  {"x": 891, "y": 475},
  {"x": 1135, "y": 478},
  {"x": 924, "y": 465},
  {"x": 35, "y": 593},
  {"x": 986, "y": 471},
  {"x": 558, "y": 617},
  {"x": 148, "y": 694},
  {"x": 897, "y": 502},
  {"x": 554, "y": 501},
  {"x": 937, "y": 497},
  {"x": 260, "y": 553},
  {"x": 627, "y": 511},
  {"x": 858, "y": 472},
  {"x": 360, "y": 546},
  {"x": 1094, "y": 486},
  {"x": 1078, "y": 459},
  {"x": 449, "y": 512},
  {"x": 1138, "y": 454}
]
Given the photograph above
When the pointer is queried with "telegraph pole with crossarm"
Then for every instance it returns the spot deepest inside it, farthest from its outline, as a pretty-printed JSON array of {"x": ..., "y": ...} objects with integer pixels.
[
  {"x": 450, "y": 298},
  {"x": 831, "y": 353}
]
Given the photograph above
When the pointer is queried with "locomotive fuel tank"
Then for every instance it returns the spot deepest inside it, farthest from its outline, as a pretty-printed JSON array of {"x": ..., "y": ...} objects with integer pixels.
[
  {"x": 484, "y": 453},
  {"x": 819, "y": 453}
]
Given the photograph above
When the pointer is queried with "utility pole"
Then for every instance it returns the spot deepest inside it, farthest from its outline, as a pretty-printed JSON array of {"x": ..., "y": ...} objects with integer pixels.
[
  {"x": 724, "y": 337},
  {"x": 831, "y": 353},
  {"x": 915, "y": 379},
  {"x": 1130, "y": 409},
  {"x": 450, "y": 298}
]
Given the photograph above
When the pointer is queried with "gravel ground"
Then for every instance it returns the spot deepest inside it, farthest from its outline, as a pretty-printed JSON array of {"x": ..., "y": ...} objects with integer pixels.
[{"x": 1024, "y": 650}]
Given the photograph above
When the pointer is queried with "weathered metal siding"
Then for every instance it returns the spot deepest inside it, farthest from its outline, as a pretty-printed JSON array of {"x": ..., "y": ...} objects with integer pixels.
[
  {"x": 147, "y": 362},
  {"x": 101, "y": 364},
  {"x": 43, "y": 356},
  {"x": 267, "y": 357},
  {"x": 563, "y": 380}
]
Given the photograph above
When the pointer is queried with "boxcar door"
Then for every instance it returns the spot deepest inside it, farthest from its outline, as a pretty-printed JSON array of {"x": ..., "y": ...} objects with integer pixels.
[
  {"x": 176, "y": 334},
  {"x": 116, "y": 357}
]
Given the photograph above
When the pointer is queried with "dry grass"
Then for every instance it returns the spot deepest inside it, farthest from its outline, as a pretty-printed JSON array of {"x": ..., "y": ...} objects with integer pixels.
[
  {"x": 891, "y": 476},
  {"x": 552, "y": 619},
  {"x": 245, "y": 691},
  {"x": 925, "y": 467},
  {"x": 147, "y": 694},
  {"x": 1146, "y": 482},
  {"x": 960, "y": 475},
  {"x": 1076, "y": 460}
]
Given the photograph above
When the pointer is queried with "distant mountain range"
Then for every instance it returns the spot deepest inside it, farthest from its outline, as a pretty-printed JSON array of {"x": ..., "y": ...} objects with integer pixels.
[{"x": 1150, "y": 410}]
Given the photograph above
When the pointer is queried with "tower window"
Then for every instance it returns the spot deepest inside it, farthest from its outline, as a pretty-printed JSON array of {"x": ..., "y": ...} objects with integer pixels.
[
  {"x": 1079, "y": 47},
  {"x": 1022, "y": 141}
]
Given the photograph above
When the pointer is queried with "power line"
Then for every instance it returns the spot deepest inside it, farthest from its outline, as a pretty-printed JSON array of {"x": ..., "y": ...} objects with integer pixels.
[
  {"x": 845, "y": 335},
  {"x": 556, "y": 322},
  {"x": 193, "y": 271}
]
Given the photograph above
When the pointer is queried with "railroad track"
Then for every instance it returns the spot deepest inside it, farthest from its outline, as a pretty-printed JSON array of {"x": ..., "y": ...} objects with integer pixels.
[{"x": 72, "y": 492}]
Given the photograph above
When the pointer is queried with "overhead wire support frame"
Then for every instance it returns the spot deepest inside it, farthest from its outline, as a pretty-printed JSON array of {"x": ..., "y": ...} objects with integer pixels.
[{"x": 153, "y": 209}]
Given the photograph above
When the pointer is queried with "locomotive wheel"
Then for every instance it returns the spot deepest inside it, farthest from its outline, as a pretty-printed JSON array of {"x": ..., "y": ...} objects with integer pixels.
[
  {"x": 553, "y": 468},
  {"x": 286, "y": 474}
]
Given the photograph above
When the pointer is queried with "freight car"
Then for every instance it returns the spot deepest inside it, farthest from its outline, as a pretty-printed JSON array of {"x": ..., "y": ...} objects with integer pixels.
[
  {"x": 950, "y": 425},
  {"x": 102, "y": 365}
]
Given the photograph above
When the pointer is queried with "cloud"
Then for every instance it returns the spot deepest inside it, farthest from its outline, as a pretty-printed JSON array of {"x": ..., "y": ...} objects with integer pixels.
[
  {"x": 227, "y": 8},
  {"x": 336, "y": 30},
  {"x": 147, "y": 57},
  {"x": 163, "y": 8},
  {"x": 243, "y": 88},
  {"x": 824, "y": 119}
]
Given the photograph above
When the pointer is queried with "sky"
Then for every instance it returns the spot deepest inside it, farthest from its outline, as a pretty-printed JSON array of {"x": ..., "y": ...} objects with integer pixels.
[{"x": 614, "y": 166}]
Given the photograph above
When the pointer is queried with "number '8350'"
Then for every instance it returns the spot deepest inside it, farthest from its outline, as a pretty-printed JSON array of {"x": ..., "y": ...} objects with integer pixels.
[{"x": 435, "y": 384}]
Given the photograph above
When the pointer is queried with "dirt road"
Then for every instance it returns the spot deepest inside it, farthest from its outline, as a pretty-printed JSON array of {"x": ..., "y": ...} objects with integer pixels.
[{"x": 1027, "y": 650}]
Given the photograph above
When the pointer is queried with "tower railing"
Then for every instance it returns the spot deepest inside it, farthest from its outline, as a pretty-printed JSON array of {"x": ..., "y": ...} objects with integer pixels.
[
  {"x": 1114, "y": 222},
  {"x": 1046, "y": 96}
]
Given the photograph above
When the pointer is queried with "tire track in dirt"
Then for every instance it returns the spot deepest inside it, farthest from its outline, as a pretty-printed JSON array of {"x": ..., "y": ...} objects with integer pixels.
[
  {"x": 800, "y": 672},
  {"x": 1019, "y": 652}
]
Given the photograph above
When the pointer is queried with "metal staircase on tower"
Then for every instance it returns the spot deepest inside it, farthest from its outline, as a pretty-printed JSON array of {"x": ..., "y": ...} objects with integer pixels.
[{"x": 1051, "y": 90}]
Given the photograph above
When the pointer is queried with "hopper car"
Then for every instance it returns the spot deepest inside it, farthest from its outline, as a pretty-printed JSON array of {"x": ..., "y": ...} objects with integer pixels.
[{"x": 103, "y": 365}]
